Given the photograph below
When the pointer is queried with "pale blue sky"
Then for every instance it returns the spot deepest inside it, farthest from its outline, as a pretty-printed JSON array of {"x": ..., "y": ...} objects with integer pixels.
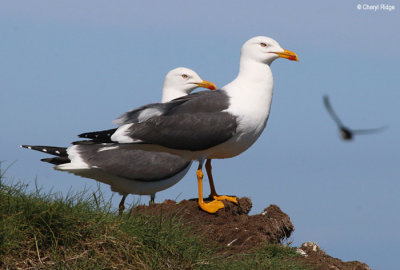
[{"x": 68, "y": 67}]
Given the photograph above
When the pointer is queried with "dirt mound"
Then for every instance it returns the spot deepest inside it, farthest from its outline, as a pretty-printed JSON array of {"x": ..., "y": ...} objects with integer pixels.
[
  {"x": 236, "y": 232},
  {"x": 230, "y": 227},
  {"x": 313, "y": 255}
]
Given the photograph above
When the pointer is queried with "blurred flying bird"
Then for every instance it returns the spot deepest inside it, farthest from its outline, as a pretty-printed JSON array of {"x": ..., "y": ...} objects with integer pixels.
[{"x": 346, "y": 133}]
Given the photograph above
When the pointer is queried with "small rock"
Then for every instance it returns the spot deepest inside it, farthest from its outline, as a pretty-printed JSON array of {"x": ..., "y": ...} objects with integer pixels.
[
  {"x": 301, "y": 252},
  {"x": 311, "y": 245}
]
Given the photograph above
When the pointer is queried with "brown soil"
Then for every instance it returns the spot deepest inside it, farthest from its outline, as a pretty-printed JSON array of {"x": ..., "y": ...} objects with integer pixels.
[{"x": 234, "y": 231}]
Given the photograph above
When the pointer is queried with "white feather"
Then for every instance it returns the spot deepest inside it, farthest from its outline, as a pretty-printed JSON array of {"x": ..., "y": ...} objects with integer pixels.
[
  {"x": 107, "y": 148},
  {"x": 148, "y": 113},
  {"x": 121, "y": 135},
  {"x": 76, "y": 160}
]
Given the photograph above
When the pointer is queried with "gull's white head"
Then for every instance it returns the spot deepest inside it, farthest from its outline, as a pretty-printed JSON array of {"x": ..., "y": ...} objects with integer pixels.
[
  {"x": 182, "y": 81},
  {"x": 265, "y": 50}
]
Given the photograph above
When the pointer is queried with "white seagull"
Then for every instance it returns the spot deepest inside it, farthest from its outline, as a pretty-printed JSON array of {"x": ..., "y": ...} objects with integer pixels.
[
  {"x": 127, "y": 171},
  {"x": 217, "y": 124}
]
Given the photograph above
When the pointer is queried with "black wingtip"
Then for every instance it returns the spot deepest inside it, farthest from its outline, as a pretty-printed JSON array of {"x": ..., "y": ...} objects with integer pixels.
[
  {"x": 56, "y": 160},
  {"x": 26, "y": 146},
  {"x": 83, "y": 142},
  {"x": 83, "y": 135},
  {"x": 103, "y": 136},
  {"x": 51, "y": 150},
  {"x": 48, "y": 160}
]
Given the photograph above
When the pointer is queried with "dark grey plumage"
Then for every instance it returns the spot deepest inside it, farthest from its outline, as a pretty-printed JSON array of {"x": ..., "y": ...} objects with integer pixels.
[
  {"x": 180, "y": 130},
  {"x": 119, "y": 162},
  {"x": 197, "y": 117},
  {"x": 127, "y": 163},
  {"x": 157, "y": 109},
  {"x": 153, "y": 109}
]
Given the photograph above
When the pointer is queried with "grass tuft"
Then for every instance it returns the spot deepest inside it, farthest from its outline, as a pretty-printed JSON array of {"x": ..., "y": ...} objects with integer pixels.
[
  {"x": 270, "y": 256},
  {"x": 81, "y": 231}
]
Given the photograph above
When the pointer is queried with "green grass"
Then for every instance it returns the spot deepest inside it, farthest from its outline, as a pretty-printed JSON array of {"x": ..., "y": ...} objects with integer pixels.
[
  {"x": 81, "y": 231},
  {"x": 271, "y": 256}
]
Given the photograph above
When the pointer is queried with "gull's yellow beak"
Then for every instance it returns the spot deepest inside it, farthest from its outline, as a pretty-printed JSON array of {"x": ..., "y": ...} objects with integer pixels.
[
  {"x": 207, "y": 84},
  {"x": 288, "y": 55}
]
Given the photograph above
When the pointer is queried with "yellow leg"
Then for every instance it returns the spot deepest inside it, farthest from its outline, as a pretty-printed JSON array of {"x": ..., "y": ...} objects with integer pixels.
[
  {"x": 212, "y": 187},
  {"x": 212, "y": 206}
]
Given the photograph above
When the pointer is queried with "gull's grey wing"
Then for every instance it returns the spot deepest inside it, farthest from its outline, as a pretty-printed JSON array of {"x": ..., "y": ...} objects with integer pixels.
[
  {"x": 145, "y": 112},
  {"x": 131, "y": 164},
  {"x": 134, "y": 116},
  {"x": 198, "y": 122},
  {"x": 192, "y": 132}
]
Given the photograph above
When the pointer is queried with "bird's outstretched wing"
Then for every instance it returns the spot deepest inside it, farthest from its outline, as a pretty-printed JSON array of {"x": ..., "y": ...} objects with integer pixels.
[
  {"x": 331, "y": 111},
  {"x": 369, "y": 131}
]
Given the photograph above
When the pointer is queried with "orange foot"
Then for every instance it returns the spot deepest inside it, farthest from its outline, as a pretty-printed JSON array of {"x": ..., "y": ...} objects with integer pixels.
[
  {"x": 212, "y": 206},
  {"x": 227, "y": 198}
]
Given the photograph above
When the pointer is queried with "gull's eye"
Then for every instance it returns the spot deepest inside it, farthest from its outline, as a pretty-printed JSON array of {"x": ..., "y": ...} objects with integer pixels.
[
  {"x": 185, "y": 76},
  {"x": 262, "y": 44}
]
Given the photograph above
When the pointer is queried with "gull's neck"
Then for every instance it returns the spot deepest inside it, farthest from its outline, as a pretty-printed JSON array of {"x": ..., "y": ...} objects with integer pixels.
[
  {"x": 254, "y": 79},
  {"x": 170, "y": 93},
  {"x": 254, "y": 70},
  {"x": 251, "y": 96}
]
